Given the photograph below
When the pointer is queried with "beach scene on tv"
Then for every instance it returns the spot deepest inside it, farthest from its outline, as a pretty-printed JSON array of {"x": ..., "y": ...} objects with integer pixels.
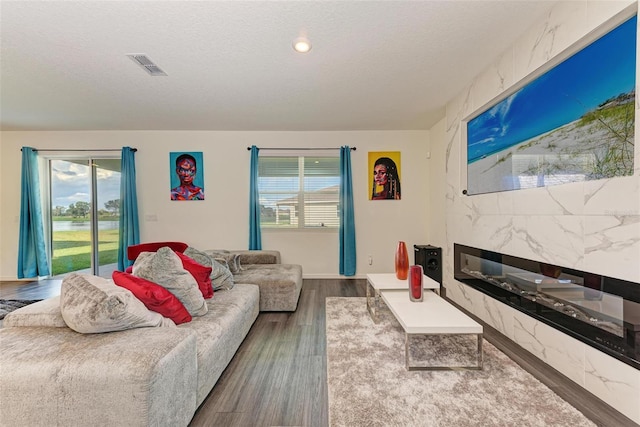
[{"x": 573, "y": 123}]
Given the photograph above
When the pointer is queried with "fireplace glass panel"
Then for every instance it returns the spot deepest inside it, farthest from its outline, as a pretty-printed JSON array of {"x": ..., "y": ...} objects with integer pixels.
[
  {"x": 601, "y": 311},
  {"x": 564, "y": 293}
]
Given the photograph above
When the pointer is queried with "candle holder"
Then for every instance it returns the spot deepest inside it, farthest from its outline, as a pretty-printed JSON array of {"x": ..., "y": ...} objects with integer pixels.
[{"x": 415, "y": 283}]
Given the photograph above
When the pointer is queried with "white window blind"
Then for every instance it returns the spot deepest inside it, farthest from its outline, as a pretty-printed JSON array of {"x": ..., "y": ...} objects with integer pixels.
[{"x": 299, "y": 191}]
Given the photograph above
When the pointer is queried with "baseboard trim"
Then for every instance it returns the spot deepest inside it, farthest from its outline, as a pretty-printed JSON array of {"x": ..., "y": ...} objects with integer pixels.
[
  {"x": 14, "y": 279},
  {"x": 332, "y": 276}
]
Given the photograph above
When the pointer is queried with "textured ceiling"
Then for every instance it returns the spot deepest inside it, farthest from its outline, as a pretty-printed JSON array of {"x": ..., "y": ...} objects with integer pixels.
[{"x": 374, "y": 65}]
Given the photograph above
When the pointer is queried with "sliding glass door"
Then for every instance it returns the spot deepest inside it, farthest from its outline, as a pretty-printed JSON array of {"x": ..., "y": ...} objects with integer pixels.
[{"x": 84, "y": 212}]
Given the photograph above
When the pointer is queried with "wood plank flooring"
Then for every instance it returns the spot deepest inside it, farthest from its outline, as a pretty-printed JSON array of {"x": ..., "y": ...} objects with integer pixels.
[
  {"x": 278, "y": 376},
  {"x": 30, "y": 290}
]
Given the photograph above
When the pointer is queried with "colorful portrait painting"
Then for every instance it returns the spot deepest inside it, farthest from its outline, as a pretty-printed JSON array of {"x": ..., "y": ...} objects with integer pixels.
[
  {"x": 187, "y": 176},
  {"x": 384, "y": 175}
]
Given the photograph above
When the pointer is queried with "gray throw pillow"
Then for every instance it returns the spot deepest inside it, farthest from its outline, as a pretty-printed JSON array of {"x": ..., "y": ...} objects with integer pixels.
[
  {"x": 232, "y": 259},
  {"x": 165, "y": 268},
  {"x": 92, "y": 304},
  {"x": 199, "y": 256},
  {"x": 221, "y": 277}
]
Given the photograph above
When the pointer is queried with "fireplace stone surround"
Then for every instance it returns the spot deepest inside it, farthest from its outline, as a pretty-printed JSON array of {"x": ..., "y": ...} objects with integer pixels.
[{"x": 600, "y": 311}]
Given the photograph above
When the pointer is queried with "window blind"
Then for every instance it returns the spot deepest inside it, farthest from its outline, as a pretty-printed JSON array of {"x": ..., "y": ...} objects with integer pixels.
[{"x": 299, "y": 191}]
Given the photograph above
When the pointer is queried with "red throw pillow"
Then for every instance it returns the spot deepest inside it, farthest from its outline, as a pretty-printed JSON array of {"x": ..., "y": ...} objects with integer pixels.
[
  {"x": 153, "y": 296},
  {"x": 134, "y": 250},
  {"x": 201, "y": 273}
]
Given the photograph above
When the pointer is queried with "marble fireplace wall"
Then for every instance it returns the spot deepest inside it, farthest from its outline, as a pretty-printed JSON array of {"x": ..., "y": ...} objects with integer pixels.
[{"x": 592, "y": 226}]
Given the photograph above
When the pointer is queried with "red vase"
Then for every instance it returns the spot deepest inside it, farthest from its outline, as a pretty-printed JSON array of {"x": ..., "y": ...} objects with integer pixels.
[
  {"x": 402, "y": 261},
  {"x": 415, "y": 283}
]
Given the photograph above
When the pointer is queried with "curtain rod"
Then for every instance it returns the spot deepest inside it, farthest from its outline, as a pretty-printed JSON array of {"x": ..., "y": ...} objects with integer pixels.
[
  {"x": 81, "y": 149},
  {"x": 298, "y": 148}
]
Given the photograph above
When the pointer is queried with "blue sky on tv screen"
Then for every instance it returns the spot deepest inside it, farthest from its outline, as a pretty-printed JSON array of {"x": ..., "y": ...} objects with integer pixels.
[{"x": 604, "y": 69}]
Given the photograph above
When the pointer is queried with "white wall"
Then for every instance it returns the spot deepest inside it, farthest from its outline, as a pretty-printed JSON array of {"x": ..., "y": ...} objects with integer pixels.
[
  {"x": 438, "y": 186},
  {"x": 221, "y": 221},
  {"x": 592, "y": 226}
]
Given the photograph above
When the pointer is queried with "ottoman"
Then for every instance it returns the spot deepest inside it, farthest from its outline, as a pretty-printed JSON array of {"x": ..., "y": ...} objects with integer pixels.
[{"x": 279, "y": 284}]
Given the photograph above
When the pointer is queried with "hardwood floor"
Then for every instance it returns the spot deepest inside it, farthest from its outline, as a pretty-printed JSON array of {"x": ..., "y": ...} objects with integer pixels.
[
  {"x": 30, "y": 290},
  {"x": 278, "y": 376}
]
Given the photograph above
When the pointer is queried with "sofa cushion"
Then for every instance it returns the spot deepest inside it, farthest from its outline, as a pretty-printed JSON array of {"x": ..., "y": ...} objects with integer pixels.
[
  {"x": 91, "y": 304},
  {"x": 165, "y": 268},
  {"x": 153, "y": 296},
  {"x": 43, "y": 313},
  {"x": 221, "y": 277},
  {"x": 257, "y": 256},
  {"x": 221, "y": 331},
  {"x": 200, "y": 272}
]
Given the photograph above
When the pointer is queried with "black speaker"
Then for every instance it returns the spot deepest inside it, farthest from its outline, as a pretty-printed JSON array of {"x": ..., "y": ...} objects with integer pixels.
[{"x": 430, "y": 258}]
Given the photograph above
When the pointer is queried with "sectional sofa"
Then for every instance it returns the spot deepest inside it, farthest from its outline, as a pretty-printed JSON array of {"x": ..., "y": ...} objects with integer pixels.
[{"x": 150, "y": 376}]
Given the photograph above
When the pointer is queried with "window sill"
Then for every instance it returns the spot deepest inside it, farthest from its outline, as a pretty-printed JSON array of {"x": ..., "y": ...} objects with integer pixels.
[{"x": 301, "y": 230}]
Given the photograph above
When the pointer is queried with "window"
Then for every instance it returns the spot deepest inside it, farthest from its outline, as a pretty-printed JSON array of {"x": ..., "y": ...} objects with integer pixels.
[{"x": 299, "y": 192}]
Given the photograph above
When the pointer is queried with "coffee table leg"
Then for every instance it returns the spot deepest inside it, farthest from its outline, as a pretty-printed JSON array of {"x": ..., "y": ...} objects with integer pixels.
[
  {"x": 410, "y": 367},
  {"x": 480, "y": 359},
  {"x": 406, "y": 353},
  {"x": 373, "y": 303},
  {"x": 369, "y": 302}
]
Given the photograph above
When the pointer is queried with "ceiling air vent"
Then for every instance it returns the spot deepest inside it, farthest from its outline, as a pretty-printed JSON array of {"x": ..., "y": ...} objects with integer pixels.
[{"x": 144, "y": 61}]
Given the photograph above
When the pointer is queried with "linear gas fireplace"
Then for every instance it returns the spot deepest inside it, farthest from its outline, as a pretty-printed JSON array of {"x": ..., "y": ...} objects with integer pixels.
[{"x": 600, "y": 311}]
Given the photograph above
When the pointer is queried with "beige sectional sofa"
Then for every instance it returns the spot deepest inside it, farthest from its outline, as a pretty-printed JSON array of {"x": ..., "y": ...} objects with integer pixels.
[{"x": 51, "y": 375}]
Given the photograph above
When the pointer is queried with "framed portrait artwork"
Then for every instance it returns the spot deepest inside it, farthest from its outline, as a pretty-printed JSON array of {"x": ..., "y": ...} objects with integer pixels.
[
  {"x": 384, "y": 175},
  {"x": 187, "y": 176},
  {"x": 574, "y": 122}
]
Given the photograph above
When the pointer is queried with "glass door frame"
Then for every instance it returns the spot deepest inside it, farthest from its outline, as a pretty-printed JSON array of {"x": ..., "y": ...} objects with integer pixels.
[{"x": 90, "y": 158}]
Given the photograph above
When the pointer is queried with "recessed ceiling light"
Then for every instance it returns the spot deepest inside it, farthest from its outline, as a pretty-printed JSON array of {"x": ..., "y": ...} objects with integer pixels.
[{"x": 301, "y": 45}]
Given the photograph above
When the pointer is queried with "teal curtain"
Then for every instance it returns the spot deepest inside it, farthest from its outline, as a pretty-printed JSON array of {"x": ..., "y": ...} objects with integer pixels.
[
  {"x": 347, "y": 220},
  {"x": 129, "y": 233},
  {"x": 255, "y": 236},
  {"x": 32, "y": 254}
]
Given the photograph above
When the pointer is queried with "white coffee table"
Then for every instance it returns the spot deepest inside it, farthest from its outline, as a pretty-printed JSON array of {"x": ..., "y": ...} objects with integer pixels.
[
  {"x": 388, "y": 281},
  {"x": 433, "y": 316}
]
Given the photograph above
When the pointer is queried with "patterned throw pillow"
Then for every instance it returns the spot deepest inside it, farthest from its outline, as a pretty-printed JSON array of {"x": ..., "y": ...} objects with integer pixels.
[
  {"x": 165, "y": 268},
  {"x": 153, "y": 296},
  {"x": 221, "y": 277},
  {"x": 92, "y": 304}
]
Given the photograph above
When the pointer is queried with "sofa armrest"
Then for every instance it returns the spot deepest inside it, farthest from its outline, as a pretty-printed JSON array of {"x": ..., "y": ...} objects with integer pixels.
[{"x": 258, "y": 257}]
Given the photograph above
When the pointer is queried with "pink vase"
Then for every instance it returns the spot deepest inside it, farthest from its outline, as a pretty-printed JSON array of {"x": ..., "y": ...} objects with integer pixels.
[
  {"x": 415, "y": 283},
  {"x": 402, "y": 261}
]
